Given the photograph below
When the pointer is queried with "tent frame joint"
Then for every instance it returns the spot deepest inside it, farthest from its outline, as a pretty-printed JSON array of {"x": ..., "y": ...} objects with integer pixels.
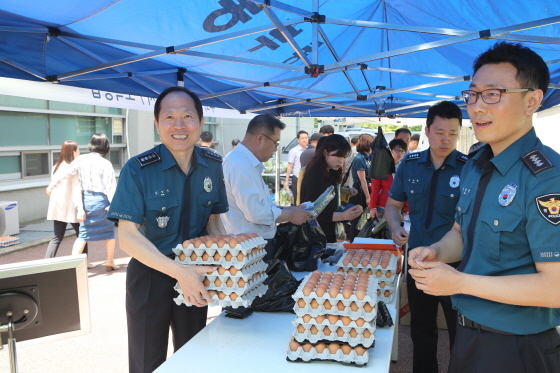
[
  {"x": 315, "y": 70},
  {"x": 315, "y": 18},
  {"x": 53, "y": 31}
]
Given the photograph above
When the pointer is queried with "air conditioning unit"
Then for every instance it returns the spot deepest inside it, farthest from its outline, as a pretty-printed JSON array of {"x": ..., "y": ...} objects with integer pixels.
[{"x": 9, "y": 218}]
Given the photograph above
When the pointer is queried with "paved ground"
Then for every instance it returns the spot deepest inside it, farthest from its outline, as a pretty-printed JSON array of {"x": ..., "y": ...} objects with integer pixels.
[{"x": 105, "y": 348}]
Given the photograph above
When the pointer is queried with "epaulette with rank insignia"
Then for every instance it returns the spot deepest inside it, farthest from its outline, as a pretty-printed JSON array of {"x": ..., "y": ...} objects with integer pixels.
[
  {"x": 462, "y": 158},
  {"x": 212, "y": 155},
  {"x": 147, "y": 158},
  {"x": 412, "y": 156},
  {"x": 536, "y": 161}
]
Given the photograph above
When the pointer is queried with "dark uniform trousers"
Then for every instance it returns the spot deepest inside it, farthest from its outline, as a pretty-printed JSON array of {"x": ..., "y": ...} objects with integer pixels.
[
  {"x": 423, "y": 326},
  {"x": 150, "y": 311},
  {"x": 478, "y": 351}
]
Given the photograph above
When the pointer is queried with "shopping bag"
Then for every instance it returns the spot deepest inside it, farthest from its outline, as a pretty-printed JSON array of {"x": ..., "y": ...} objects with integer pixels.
[
  {"x": 382, "y": 163},
  {"x": 281, "y": 286}
]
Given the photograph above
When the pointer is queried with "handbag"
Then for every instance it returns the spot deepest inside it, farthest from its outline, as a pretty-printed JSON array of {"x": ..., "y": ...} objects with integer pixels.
[{"x": 382, "y": 163}]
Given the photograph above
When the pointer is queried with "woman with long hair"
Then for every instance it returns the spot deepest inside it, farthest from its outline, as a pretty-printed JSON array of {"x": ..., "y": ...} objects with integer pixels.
[
  {"x": 97, "y": 180},
  {"x": 65, "y": 199},
  {"x": 323, "y": 170},
  {"x": 359, "y": 170}
]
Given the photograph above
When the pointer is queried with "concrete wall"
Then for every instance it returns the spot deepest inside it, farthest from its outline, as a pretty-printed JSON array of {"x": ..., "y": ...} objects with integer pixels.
[
  {"x": 140, "y": 130},
  {"x": 32, "y": 203}
]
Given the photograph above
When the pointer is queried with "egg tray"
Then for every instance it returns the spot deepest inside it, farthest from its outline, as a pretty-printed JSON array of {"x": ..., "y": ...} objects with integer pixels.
[
  {"x": 6, "y": 241},
  {"x": 244, "y": 246},
  {"x": 333, "y": 337},
  {"x": 244, "y": 300},
  {"x": 378, "y": 272},
  {"x": 249, "y": 285},
  {"x": 383, "y": 297},
  {"x": 247, "y": 260},
  {"x": 339, "y": 357},
  {"x": 244, "y": 273}
]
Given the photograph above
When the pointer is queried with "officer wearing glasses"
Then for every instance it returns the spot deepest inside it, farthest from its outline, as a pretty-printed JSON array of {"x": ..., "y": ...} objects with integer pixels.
[
  {"x": 506, "y": 289},
  {"x": 250, "y": 208},
  {"x": 430, "y": 181}
]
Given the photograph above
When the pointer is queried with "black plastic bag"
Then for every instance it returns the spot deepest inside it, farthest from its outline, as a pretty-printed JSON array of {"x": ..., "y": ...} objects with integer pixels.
[
  {"x": 384, "y": 318},
  {"x": 300, "y": 246},
  {"x": 281, "y": 286},
  {"x": 382, "y": 163}
]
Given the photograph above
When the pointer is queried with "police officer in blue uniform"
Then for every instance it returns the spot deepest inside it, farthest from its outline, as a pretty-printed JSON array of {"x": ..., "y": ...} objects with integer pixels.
[
  {"x": 164, "y": 196},
  {"x": 506, "y": 288},
  {"x": 430, "y": 182}
]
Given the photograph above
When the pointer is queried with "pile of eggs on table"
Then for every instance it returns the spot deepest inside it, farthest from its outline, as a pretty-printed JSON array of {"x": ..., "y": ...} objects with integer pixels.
[
  {"x": 335, "y": 318},
  {"x": 240, "y": 272},
  {"x": 381, "y": 264}
]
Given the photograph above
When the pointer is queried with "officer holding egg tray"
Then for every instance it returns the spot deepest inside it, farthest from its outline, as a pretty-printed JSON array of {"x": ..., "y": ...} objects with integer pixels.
[
  {"x": 430, "y": 182},
  {"x": 164, "y": 196},
  {"x": 507, "y": 224}
]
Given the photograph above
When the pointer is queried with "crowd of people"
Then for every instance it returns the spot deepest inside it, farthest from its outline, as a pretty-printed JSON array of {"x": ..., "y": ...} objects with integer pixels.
[{"x": 480, "y": 242}]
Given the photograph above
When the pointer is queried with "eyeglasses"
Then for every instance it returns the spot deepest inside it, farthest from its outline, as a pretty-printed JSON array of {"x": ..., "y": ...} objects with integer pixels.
[
  {"x": 490, "y": 96},
  {"x": 276, "y": 143},
  {"x": 399, "y": 151}
]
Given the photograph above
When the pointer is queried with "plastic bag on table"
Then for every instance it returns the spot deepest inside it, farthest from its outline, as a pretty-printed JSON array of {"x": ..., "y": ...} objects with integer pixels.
[
  {"x": 281, "y": 286},
  {"x": 285, "y": 197},
  {"x": 300, "y": 245}
]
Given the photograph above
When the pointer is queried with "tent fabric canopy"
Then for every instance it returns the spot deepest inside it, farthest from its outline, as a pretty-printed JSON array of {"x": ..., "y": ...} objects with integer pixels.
[{"x": 320, "y": 58}]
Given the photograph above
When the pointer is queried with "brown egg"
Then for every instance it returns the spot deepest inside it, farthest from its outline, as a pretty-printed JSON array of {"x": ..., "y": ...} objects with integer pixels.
[
  {"x": 364, "y": 262},
  {"x": 240, "y": 257},
  {"x": 209, "y": 243},
  {"x": 233, "y": 296},
  {"x": 355, "y": 261},
  {"x": 314, "y": 329},
  {"x": 233, "y": 242},
  {"x": 328, "y": 273},
  {"x": 368, "y": 307},
  {"x": 221, "y": 243},
  {"x": 228, "y": 257},
  {"x": 253, "y": 235},
  {"x": 306, "y": 318},
  {"x": 320, "y": 348},
  {"x": 307, "y": 347},
  {"x": 205, "y": 256},
  {"x": 382, "y": 284},
  {"x": 346, "y": 293},
  {"x": 229, "y": 282},
  {"x": 346, "y": 349},
  {"x": 360, "y": 322},
  {"x": 319, "y": 319},
  {"x": 333, "y": 348},
  {"x": 360, "y": 350},
  {"x": 327, "y": 305},
  {"x": 217, "y": 256},
  {"x": 345, "y": 263},
  {"x": 326, "y": 331},
  {"x": 378, "y": 292},
  {"x": 340, "y": 306},
  {"x": 378, "y": 273},
  {"x": 221, "y": 270},
  {"x": 339, "y": 332},
  {"x": 388, "y": 274},
  {"x": 346, "y": 320},
  {"x": 206, "y": 282},
  {"x": 218, "y": 282},
  {"x": 241, "y": 283},
  {"x": 333, "y": 291},
  {"x": 300, "y": 329},
  {"x": 333, "y": 319},
  {"x": 317, "y": 273},
  {"x": 366, "y": 333},
  {"x": 387, "y": 293},
  {"x": 353, "y": 333},
  {"x": 301, "y": 303},
  {"x": 233, "y": 270},
  {"x": 320, "y": 292},
  {"x": 186, "y": 243},
  {"x": 360, "y": 294},
  {"x": 182, "y": 256},
  {"x": 197, "y": 242},
  {"x": 193, "y": 256},
  {"x": 293, "y": 345},
  {"x": 221, "y": 294},
  {"x": 354, "y": 307},
  {"x": 314, "y": 304},
  {"x": 307, "y": 290}
]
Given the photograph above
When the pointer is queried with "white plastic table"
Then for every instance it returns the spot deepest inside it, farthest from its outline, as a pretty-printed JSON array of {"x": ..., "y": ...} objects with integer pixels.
[{"x": 259, "y": 344}]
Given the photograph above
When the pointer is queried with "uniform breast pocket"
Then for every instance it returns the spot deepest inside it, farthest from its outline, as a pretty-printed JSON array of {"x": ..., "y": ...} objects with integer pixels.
[
  {"x": 447, "y": 202},
  {"x": 462, "y": 208},
  {"x": 157, "y": 212},
  {"x": 416, "y": 197},
  {"x": 494, "y": 228},
  {"x": 206, "y": 202}
]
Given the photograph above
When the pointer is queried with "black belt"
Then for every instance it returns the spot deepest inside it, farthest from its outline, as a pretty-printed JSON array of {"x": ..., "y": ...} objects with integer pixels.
[{"x": 464, "y": 321}]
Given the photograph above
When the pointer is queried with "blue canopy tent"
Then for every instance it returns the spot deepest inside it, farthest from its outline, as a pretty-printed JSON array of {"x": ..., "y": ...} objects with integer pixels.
[{"x": 307, "y": 57}]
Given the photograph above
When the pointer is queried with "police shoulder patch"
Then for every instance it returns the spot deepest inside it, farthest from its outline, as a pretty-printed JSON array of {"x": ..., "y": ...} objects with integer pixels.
[
  {"x": 549, "y": 207},
  {"x": 536, "y": 161},
  {"x": 147, "y": 158},
  {"x": 462, "y": 158},
  {"x": 212, "y": 155},
  {"x": 412, "y": 156}
]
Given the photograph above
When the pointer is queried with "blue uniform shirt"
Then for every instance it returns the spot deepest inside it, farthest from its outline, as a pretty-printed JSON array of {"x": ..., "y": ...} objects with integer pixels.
[
  {"x": 152, "y": 184},
  {"x": 517, "y": 226},
  {"x": 431, "y": 204},
  {"x": 361, "y": 162}
]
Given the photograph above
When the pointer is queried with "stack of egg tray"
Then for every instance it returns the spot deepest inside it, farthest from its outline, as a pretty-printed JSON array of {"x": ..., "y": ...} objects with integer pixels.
[
  {"x": 245, "y": 264},
  {"x": 385, "y": 276},
  {"x": 6, "y": 241},
  {"x": 313, "y": 305}
]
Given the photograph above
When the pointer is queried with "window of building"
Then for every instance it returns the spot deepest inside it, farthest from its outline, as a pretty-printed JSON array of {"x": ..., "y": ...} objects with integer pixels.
[
  {"x": 35, "y": 164},
  {"x": 10, "y": 167},
  {"x": 23, "y": 129}
]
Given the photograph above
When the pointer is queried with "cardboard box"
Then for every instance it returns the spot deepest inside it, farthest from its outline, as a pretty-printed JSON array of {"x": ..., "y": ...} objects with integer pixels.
[{"x": 404, "y": 312}]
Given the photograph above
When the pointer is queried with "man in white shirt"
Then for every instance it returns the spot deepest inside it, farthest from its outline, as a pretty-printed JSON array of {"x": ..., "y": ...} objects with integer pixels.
[
  {"x": 250, "y": 208},
  {"x": 294, "y": 163}
]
